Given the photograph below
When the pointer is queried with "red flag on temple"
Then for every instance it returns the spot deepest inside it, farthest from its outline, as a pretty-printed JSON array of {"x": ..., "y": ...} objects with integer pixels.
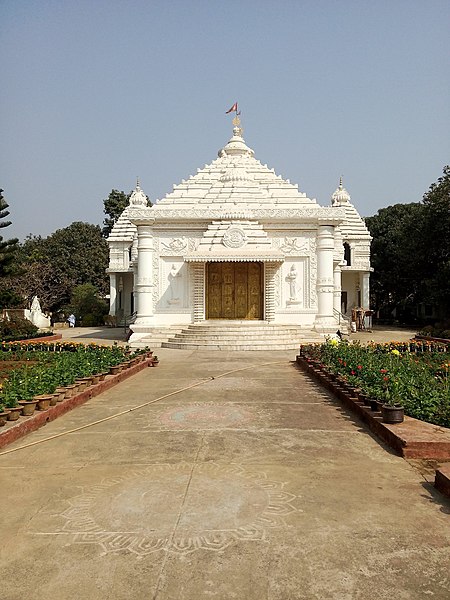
[{"x": 233, "y": 108}]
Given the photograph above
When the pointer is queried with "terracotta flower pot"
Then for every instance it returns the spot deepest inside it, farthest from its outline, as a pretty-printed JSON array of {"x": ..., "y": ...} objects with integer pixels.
[
  {"x": 81, "y": 385},
  {"x": 3, "y": 417},
  {"x": 70, "y": 390},
  {"x": 14, "y": 413},
  {"x": 54, "y": 399},
  {"x": 115, "y": 370},
  {"x": 61, "y": 391},
  {"x": 28, "y": 407},
  {"x": 43, "y": 401},
  {"x": 392, "y": 414},
  {"x": 375, "y": 405}
]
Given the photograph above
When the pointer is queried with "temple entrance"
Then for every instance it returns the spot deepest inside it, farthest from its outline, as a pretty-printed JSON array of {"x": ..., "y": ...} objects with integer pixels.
[{"x": 234, "y": 290}]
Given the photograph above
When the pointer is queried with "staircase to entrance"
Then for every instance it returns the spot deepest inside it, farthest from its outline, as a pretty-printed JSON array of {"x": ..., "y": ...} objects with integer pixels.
[{"x": 241, "y": 335}]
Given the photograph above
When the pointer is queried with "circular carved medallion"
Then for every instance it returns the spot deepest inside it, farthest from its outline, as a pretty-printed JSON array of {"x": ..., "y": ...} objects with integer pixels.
[{"x": 234, "y": 238}]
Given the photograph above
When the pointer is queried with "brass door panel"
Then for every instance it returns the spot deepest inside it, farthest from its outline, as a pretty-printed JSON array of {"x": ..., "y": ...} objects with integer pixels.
[
  {"x": 254, "y": 310},
  {"x": 234, "y": 290},
  {"x": 214, "y": 291},
  {"x": 240, "y": 291}
]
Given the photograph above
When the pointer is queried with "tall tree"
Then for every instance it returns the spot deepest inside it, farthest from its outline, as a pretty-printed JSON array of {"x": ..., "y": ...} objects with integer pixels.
[
  {"x": 395, "y": 282},
  {"x": 411, "y": 253},
  {"x": 53, "y": 266},
  {"x": 114, "y": 205},
  {"x": 7, "y": 247},
  {"x": 436, "y": 232}
]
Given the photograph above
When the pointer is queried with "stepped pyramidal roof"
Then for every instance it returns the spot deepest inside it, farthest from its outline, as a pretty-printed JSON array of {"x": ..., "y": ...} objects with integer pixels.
[
  {"x": 238, "y": 186},
  {"x": 353, "y": 225},
  {"x": 236, "y": 178}
]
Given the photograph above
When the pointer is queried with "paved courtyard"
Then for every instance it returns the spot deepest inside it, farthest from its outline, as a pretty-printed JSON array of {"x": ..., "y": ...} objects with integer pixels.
[{"x": 252, "y": 485}]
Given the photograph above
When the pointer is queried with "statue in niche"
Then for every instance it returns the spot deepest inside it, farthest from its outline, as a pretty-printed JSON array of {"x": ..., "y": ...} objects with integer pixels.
[
  {"x": 174, "y": 285},
  {"x": 292, "y": 278}
]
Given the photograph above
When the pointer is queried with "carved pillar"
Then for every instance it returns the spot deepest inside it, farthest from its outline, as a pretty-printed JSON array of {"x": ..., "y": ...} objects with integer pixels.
[
  {"x": 365, "y": 290},
  {"x": 325, "y": 283},
  {"x": 269, "y": 291},
  {"x": 337, "y": 272},
  {"x": 144, "y": 283},
  {"x": 112, "y": 293},
  {"x": 199, "y": 291}
]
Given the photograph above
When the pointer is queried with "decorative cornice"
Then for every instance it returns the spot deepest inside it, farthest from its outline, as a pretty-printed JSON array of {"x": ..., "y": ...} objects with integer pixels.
[{"x": 332, "y": 216}]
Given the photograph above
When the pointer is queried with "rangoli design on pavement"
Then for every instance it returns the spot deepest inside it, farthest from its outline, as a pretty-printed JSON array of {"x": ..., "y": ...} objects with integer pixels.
[
  {"x": 205, "y": 416},
  {"x": 177, "y": 508}
]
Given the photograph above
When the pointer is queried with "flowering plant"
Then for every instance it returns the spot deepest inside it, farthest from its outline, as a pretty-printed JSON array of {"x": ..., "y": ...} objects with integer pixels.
[{"x": 412, "y": 374}]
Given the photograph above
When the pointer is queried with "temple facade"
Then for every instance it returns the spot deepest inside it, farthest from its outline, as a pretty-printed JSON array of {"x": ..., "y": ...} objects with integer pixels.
[{"x": 236, "y": 242}]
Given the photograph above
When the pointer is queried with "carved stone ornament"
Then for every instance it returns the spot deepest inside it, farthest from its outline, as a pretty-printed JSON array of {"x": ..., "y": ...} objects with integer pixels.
[
  {"x": 292, "y": 246},
  {"x": 175, "y": 246},
  {"x": 234, "y": 237}
]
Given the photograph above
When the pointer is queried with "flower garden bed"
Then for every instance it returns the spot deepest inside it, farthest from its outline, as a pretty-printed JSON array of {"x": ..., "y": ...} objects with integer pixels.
[
  {"x": 415, "y": 374},
  {"x": 413, "y": 438},
  {"x": 62, "y": 374}
]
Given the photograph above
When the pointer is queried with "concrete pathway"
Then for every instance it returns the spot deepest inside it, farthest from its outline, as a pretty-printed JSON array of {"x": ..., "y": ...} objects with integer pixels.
[{"x": 254, "y": 485}]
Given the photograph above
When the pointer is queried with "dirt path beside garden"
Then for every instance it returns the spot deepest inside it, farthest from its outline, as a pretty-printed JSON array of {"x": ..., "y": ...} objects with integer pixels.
[{"x": 251, "y": 485}]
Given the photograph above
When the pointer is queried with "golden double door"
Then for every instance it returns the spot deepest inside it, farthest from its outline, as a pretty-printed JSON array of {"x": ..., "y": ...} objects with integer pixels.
[{"x": 234, "y": 290}]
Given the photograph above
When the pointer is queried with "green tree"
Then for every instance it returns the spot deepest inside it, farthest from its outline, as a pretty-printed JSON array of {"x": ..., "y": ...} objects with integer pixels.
[
  {"x": 52, "y": 267},
  {"x": 87, "y": 306},
  {"x": 114, "y": 205},
  {"x": 80, "y": 253},
  {"x": 436, "y": 233},
  {"x": 395, "y": 282},
  {"x": 7, "y": 247},
  {"x": 411, "y": 253}
]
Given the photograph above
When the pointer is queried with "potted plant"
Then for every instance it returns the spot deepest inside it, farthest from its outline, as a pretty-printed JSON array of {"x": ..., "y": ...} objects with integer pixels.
[
  {"x": 392, "y": 409},
  {"x": 3, "y": 415}
]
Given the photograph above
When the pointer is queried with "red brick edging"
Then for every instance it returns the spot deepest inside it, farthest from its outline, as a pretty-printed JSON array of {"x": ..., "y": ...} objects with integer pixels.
[
  {"x": 442, "y": 480},
  {"x": 39, "y": 418}
]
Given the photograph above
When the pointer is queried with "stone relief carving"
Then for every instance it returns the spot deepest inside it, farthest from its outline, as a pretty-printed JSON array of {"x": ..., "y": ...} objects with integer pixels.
[
  {"x": 293, "y": 246},
  {"x": 155, "y": 270},
  {"x": 234, "y": 237},
  {"x": 176, "y": 246},
  {"x": 255, "y": 213},
  {"x": 141, "y": 214},
  {"x": 311, "y": 276},
  {"x": 175, "y": 285},
  {"x": 193, "y": 244},
  {"x": 277, "y": 287},
  {"x": 292, "y": 280}
]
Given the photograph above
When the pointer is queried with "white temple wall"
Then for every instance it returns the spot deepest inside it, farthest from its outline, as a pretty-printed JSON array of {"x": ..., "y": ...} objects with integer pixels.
[
  {"x": 295, "y": 292},
  {"x": 172, "y": 277},
  {"x": 351, "y": 285},
  {"x": 127, "y": 294}
]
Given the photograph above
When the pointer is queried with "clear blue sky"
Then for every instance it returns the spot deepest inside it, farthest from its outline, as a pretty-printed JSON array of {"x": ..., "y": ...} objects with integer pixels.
[{"x": 96, "y": 92}]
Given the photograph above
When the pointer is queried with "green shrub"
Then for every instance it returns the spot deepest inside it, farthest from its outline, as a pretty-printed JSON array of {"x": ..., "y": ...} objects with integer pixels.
[{"x": 17, "y": 328}]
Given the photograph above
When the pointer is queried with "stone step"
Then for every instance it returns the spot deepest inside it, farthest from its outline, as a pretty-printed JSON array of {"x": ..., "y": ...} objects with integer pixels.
[
  {"x": 224, "y": 336},
  {"x": 261, "y": 329},
  {"x": 231, "y": 336},
  {"x": 263, "y": 345}
]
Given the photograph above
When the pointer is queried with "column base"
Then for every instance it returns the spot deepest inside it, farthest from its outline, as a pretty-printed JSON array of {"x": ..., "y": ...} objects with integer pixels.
[{"x": 325, "y": 325}]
